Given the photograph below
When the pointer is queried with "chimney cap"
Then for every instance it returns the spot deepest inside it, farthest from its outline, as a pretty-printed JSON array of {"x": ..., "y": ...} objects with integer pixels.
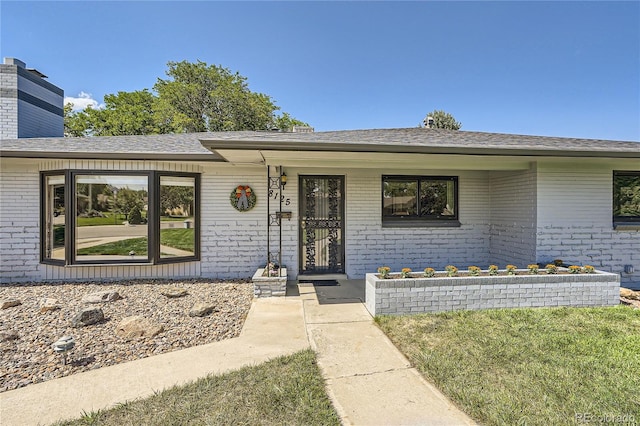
[{"x": 14, "y": 61}]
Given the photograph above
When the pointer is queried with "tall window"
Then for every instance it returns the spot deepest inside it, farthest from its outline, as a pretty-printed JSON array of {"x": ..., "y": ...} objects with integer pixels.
[
  {"x": 53, "y": 215},
  {"x": 626, "y": 197},
  {"x": 419, "y": 199},
  {"x": 177, "y": 216},
  {"x": 97, "y": 217}
]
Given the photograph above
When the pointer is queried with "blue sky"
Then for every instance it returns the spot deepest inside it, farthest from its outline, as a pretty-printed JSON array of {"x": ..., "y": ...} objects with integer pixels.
[{"x": 543, "y": 68}]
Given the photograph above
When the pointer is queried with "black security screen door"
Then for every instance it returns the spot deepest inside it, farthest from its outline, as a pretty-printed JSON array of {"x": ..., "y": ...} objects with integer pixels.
[{"x": 321, "y": 224}]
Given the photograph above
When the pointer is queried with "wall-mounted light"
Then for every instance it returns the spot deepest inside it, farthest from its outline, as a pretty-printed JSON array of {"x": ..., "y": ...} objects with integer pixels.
[
  {"x": 283, "y": 180},
  {"x": 628, "y": 269}
]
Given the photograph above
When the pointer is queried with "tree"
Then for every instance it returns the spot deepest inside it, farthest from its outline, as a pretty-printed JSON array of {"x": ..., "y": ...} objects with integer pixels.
[
  {"x": 75, "y": 125},
  {"x": 195, "y": 97},
  {"x": 125, "y": 113},
  {"x": 212, "y": 98},
  {"x": 441, "y": 120},
  {"x": 286, "y": 123}
]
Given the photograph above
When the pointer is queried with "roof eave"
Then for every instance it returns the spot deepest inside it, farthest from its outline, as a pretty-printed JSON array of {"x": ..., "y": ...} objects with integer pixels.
[
  {"x": 213, "y": 157},
  {"x": 214, "y": 145}
]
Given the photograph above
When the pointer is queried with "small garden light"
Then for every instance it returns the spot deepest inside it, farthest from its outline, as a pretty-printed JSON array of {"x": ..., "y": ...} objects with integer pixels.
[{"x": 64, "y": 345}]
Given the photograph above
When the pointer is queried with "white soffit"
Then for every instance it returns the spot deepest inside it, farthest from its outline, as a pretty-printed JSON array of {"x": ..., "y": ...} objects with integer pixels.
[
  {"x": 367, "y": 160},
  {"x": 241, "y": 156}
]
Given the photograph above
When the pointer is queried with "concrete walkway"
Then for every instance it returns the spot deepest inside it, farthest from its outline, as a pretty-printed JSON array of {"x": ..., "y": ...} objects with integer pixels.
[{"x": 369, "y": 381}]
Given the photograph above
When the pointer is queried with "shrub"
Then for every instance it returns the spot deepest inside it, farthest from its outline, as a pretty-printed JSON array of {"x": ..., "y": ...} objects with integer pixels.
[
  {"x": 405, "y": 273},
  {"x": 429, "y": 272},
  {"x": 588, "y": 269},
  {"x": 574, "y": 269},
  {"x": 493, "y": 270},
  {"x": 512, "y": 269},
  {"x": 384, "y": 271},
  {"x": 533, "y": 268},
  {"x": 551, "y": 268},
  {"x": 135, "y": 216},
  {"x": 452, "y": 271},
  {"x": 474, "y": 271}
]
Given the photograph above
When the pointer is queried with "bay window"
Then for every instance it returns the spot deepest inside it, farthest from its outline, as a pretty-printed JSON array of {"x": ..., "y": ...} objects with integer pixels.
[{"x": 104, "y": 217}]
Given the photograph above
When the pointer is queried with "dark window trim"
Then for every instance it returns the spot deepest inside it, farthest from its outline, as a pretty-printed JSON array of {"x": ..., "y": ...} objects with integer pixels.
[
  {"x": 416, "y": 220},
  {"x": 74, "y": 207},
  {"x": 623, "y": 222},
  {"x": 43, "y": 214},
  {"x": 156, "y": 230},
  {"x": 153, "y": 217}
]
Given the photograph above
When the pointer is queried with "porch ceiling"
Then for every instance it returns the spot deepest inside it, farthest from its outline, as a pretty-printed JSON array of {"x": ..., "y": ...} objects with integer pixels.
[{"x": 373, "y": 160}]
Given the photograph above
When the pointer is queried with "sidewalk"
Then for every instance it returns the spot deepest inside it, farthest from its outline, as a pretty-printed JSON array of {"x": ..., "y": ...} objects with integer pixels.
[
  {"x": 369, "y": 381},
  {"x": 274, "y": 327}
]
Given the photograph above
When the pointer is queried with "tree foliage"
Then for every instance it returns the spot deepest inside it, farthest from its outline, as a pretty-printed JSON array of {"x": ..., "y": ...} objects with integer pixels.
[
  {"x": 124, "y": 113},
  {"x": 442, "y": 120},
  {"x": 195, "y": 97}
]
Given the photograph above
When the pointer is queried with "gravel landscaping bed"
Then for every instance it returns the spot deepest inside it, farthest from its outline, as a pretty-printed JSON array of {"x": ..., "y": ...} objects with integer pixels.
[{"x": 46, "y": 313}]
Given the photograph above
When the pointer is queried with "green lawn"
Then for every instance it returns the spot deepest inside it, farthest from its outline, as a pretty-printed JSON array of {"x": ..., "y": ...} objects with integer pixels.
[
  {"x": 117, "y": 248},
  {"x": 528, "y": 366},
  {"x": 285, "y": 391},
  {"x": 180, "y": 238},
  {"x": 109, "y": 219}
]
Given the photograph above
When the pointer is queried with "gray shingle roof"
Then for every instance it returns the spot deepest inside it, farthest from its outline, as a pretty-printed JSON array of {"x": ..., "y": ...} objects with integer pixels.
[
  {"x": 174, "y": 146},
  {"x": 423, "y": 140},
  {"x": 189, "y": 147}
]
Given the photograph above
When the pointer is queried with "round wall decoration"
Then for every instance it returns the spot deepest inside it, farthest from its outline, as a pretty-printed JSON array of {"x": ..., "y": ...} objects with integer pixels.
[{"x": 242, "y": 198}]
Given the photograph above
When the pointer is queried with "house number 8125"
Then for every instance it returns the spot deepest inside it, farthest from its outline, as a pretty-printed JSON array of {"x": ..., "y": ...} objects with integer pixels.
[{"x": 274, "y": 194}]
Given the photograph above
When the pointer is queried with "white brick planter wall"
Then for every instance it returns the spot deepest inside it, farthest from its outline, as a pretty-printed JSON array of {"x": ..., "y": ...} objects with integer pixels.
[
  {"x": 269, "y": 286},
  {"x": 417, "y": 295}
]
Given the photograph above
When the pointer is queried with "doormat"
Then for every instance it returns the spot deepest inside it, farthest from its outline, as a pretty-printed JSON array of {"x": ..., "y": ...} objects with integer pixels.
[{"x": 322, "y": 283}]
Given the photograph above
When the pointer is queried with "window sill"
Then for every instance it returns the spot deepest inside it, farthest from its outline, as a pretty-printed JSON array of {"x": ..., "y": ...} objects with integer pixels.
[
  {"x": 93, "y": 265},
  {"x": 626, "y": 226},
  {"x": 412, "y": 223}
]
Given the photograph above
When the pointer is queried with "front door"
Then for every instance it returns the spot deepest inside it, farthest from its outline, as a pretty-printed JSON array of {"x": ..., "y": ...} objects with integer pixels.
[{"x": 322, "y": 224}]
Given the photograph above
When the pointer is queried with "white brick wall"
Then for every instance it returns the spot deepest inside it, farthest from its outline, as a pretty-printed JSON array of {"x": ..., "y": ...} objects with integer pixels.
[
  {"x": 513, "y": 218},
  {"x": 233, "y": 242},
  {"x": 575, "y": 221},
  {"x": 8, "y": 107},
  {"x": 19, "y": 227},
  {"x": 498, "y": 212},
  {"x": 369, "y": 245}
]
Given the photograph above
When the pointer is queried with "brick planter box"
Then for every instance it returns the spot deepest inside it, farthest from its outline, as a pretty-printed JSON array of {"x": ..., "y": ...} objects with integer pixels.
[
  {"x": 269, "y": 286},
  {"x": 399, "y": 296}
]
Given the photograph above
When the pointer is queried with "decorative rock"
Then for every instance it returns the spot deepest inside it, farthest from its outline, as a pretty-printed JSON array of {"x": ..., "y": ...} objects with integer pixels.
[
  {"x": 173, "y": 292},
  {"x": 48, "y": 304},
  {"x": 87, "y": 316},
  {"x": 137, "y": 326},
  {"x": 201, "y": 309},
  {"x": 629, "y": 294},
  {"x": 6, "y": 336},
  {"x": 10, "y": 303},
  {"x": 101, "y": 297}
]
